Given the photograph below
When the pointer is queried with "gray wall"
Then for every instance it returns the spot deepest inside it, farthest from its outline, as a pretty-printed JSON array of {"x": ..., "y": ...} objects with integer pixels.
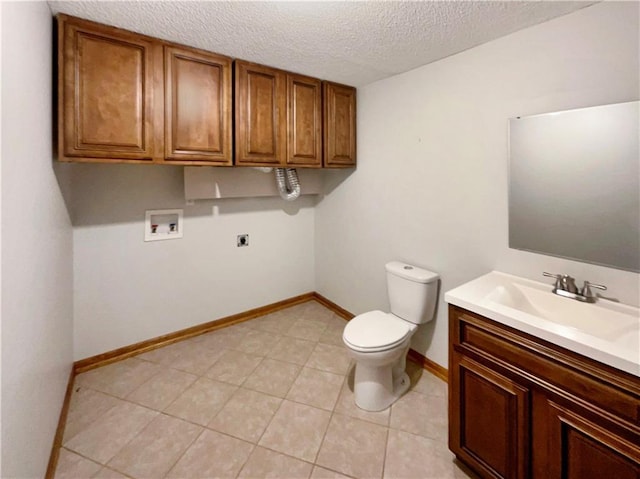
[
  {"x": 431, "y": 184},
  {"x": 126, "y": 290},
  {"x": 36, "y": 249}
]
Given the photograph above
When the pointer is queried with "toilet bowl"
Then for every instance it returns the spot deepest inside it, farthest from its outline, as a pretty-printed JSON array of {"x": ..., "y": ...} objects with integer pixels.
[{"x": 379, "y": 342}]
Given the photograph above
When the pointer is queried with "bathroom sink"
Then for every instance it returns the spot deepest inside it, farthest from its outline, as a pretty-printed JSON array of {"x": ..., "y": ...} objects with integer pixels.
[{"x": 606, "y": 331}]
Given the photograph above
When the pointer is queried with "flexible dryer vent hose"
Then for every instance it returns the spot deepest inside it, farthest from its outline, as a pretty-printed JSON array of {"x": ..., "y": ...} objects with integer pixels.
[{"x": 288, "y": 184}]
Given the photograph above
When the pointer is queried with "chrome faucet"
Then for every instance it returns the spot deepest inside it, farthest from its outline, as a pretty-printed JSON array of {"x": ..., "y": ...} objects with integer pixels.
[{"x": 566, "y": 286}]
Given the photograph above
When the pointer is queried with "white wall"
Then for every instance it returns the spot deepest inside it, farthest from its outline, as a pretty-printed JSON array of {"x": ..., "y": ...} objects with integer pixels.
[
  {"x": 127, "y": 290},
  {"x": 36, "y": 248},
  {"x": 431, "y": 183}
]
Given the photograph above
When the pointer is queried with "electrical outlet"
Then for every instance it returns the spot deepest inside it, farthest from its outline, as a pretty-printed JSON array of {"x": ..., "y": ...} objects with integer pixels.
[{"x": 243, "y": 240}]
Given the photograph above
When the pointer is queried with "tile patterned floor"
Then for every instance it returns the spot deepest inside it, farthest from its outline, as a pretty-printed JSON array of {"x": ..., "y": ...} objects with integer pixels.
[{"x": 268, "y": 398}]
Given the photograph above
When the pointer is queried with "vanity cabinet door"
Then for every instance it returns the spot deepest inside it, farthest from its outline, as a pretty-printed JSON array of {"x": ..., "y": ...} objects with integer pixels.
[
  {"x": 578, "y": 448},
  {"x": 304, "y": 121},
  {"x": 197, "y": 107},
  {"x": 489, "y": 420},
  {"x": 106, "y": 92},
  {"x": 261, "y": 115},
  {"x": 339, "y": 125}
]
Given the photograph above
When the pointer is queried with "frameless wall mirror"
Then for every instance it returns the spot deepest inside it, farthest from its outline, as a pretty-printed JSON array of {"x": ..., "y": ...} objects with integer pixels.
[{"x": 574, "y": 184}]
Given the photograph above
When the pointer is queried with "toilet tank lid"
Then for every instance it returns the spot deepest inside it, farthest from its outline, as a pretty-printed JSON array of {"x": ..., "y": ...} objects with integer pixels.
[{"x": 412, "y": 273}]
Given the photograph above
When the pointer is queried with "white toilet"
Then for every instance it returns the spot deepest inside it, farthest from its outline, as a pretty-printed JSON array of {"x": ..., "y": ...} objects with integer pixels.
[{"x": 379, "y": 341}]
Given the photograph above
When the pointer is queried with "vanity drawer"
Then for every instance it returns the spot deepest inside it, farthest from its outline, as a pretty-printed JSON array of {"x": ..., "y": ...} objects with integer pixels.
[{"x": 596, "y": 387}]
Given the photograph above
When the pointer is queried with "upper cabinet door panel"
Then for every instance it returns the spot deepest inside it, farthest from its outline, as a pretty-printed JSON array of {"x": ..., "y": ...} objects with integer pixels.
[
  {"x": 260, "y": 115},
  {"x": 339, "y": 125},
  {"x": 304, "y": 112},
  {"x": 107, "y": 82},
  {"x": 197, "y": 107}
]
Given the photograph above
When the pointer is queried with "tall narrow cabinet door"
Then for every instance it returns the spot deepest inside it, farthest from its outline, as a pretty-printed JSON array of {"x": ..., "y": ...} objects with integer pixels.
[
  {"x": 304, "y": 120},
  {"x": 489, "y": 420},
  {"x": 339, "y": 125},
  {"x": 106, "y": 91},
  {"x": 197, "y": 107},
  {"x": 261, "y": 116}
]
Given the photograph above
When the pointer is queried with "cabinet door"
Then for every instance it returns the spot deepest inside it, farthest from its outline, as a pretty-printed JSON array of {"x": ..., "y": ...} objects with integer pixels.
[
  {"x": 489, "y": 420},
  {"x": 581, "y": 449},
  {"x": 261, "y": 115},
  {"x": 304, "y": 121},
  {"x": 339, "y": 125},
  {"x": 197, "y": 107},
  {"x": 106, "y": 91}
]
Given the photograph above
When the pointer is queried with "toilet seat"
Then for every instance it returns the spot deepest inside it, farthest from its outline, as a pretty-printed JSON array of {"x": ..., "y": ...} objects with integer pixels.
[{"x": 375, "y": 331}]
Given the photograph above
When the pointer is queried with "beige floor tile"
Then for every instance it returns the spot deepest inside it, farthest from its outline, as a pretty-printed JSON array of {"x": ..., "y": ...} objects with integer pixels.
[
  {"x": 306, "y": 329},
  {"x": 294, "y": 312},
  {"x": 410, "y": 456},
  {"x": 162, "y": 389},
  {"x": 273, "y": 377},
  {"x": 156, "y": 449},
  {"x": 118, "y": 379},
  {"x": 316, "y": 388},
  {"x": 424, "y": 382},
  {"x": 190, "y": 356},
  {"x": 201, "y": 401},
  {"x": 257, "y": 342},
  {"x": 322, "y": 473},
  {"x": 327, "y": 357},
  {"x": 234, "y": 367},
  {"x": 246, "y": 415},
  {"x": 106, "y": 473},
  {"x": 333, "y": 335},
  {"x": 72, "y": 466},
  {"x": 85, "y": 407},
  {"x": 314, "y": 311},
  {"x": 212, "y": 455},
  {"x": 275, "y": 323},
  {"x": 296, "y": 430},
  {"x": 292, "y": 350},
  {"x": 264, "y": 463},
  {"x": 353, "y": 447},
  {"x": 420, "y": 414},
  {"x": 103, "y": 438},
  {"x": 347, "y": 405},
  {"x": 222, "y": 338}
]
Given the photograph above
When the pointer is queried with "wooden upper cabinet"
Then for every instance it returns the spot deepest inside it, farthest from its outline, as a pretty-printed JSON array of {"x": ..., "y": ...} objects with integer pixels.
[
  {"x": 106, "y": 93},
  {"x": 304, "y": 121},
  {"x": 339, "y": 125},
  {"x": 197, "y": 110},
  {"x": 260, "y": 123}
]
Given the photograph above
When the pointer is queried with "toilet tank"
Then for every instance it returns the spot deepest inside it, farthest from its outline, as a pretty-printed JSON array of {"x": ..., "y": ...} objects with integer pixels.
[{"x": 412, "y": 292}]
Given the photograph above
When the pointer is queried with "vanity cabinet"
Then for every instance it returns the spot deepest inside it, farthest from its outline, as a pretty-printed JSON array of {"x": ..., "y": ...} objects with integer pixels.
[
  {"x": 125, "y": 97},
  {"x": 278, "y": 117},
  {"x": 520, "y": 407},
  {"x": 339, "y": 125}
]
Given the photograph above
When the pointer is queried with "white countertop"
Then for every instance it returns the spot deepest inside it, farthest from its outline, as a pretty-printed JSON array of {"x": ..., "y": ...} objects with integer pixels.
[{"x": 605, "y": 331}]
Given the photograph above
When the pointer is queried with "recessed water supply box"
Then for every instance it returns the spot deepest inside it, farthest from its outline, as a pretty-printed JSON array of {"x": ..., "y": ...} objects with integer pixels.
[{"x": 163, "y": 225}]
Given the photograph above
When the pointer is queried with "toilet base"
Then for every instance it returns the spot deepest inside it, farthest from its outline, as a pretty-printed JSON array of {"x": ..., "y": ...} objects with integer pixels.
[{"x": 378, "y": 387}]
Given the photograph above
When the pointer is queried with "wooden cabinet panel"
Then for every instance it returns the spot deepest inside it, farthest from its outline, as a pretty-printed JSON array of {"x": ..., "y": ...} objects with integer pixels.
[
  {"x": 260, "y": 115},
  {"x": 580, "y": 449},
  {"x": 491, "y": 428},
  {"x": 197, "y": 107},
  {"x": 339, "y": 125},
  {"x": 584, "y": 416},
  {"x": 304, "y": 125},
  {"x": 106, "y": 93}
]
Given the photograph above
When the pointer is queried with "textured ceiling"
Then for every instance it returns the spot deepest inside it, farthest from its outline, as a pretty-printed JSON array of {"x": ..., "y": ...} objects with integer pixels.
[{"x": 349, "y": 42}]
